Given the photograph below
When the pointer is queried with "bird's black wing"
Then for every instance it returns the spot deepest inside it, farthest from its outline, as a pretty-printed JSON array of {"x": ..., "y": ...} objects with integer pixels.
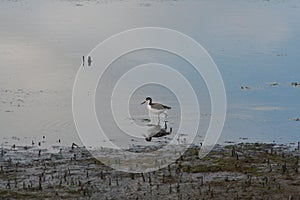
[
  {"x": 159, "y": 106},
  {"x": 166, "y": 107}
]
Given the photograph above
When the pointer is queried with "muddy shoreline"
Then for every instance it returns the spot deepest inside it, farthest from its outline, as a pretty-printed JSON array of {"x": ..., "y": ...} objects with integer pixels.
[{"x": 235, "y": 171}]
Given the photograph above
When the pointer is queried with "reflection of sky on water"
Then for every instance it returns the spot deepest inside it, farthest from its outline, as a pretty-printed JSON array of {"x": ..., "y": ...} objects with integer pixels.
[
  {"x": 252, "y": 42},
  {"x": 157, "y": 92}
]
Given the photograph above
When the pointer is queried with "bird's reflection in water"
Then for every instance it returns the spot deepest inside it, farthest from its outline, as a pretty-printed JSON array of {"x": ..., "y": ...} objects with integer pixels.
[{"x": 157, "y": 131}]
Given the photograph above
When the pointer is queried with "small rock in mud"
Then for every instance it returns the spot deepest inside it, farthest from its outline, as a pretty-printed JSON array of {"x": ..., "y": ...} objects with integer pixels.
[
  {"x": 295, "y": 119},
  {"x": 245, "y": 87},
  {"x": 273, "y": 84}
]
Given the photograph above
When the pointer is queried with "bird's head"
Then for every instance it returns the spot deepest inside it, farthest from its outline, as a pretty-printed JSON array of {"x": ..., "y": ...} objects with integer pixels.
[{"x": 148, "y": 100}]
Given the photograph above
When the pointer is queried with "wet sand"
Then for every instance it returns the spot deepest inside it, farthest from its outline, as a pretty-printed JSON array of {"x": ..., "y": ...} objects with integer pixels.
[{"x": 235, "y": 171}]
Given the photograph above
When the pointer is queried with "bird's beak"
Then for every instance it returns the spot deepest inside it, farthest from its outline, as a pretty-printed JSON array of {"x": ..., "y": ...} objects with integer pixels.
[{"x": 143, "y": 102}]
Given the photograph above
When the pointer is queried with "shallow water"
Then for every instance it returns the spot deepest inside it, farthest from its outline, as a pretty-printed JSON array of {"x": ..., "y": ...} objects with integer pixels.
[{"x": 252, "y": 42}]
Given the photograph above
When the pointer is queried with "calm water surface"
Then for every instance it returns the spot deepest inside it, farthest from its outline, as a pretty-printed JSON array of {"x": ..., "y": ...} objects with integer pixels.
[{"x": 252, "y": 42}]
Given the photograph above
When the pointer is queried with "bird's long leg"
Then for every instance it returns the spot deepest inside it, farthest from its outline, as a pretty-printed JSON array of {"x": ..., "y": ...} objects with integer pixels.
[
  {"x": 158, "y": 119},
  {"x": 166, "y": 115}
]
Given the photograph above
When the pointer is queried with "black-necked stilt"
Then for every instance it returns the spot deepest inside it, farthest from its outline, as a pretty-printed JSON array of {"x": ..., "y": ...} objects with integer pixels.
[{"x": 156, "y": 108}]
